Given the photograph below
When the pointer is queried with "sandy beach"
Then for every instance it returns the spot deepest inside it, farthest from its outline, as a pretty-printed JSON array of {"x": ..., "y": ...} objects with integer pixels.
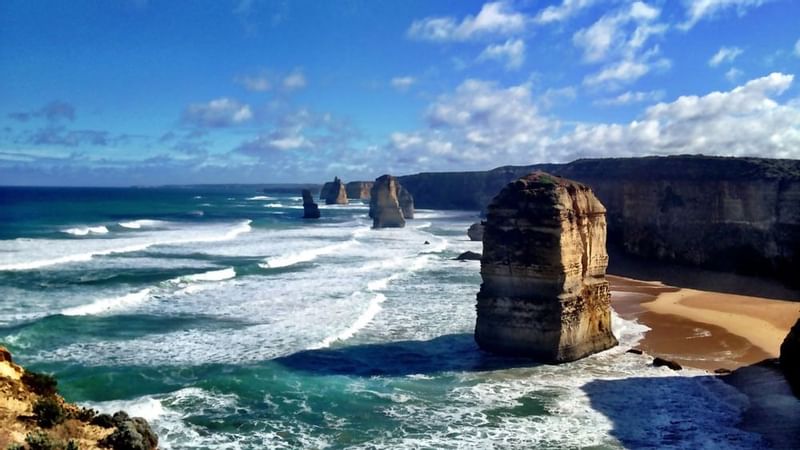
[{"x": 704, "y": 329}]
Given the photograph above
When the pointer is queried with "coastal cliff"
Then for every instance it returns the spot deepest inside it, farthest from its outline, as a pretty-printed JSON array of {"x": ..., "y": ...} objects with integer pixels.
[
  {"x": 734, "y": 214},
  {"x": 359, "y": 190},
  {"x": 33, "y": 416},
  {"x": 544, "y": 293}
]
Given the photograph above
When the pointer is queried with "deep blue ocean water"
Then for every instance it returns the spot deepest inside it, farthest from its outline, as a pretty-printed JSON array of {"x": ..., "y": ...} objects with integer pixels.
[{"x": 230, "y": 323}]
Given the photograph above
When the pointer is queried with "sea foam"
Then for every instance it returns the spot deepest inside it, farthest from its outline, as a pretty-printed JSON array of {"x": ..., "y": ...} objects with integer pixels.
[{"x": 84, "y": 231}]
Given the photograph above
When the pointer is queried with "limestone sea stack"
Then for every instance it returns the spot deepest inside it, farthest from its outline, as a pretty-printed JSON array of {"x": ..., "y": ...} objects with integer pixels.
[
  {"x": 336, "y": 193},
  {"x": 358, "y": 190},
  {"x": 406, "y": 202},
  {"x": 475, "y": 231},
  {"x": 544, "y": 293},
  {"x": 790, "y": 358},
  {"x": 384, "y": 205},
  {"x": 310, "y": 209}
]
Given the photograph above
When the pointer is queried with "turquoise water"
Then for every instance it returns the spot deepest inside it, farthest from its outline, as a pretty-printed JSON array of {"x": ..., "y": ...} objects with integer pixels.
[{"x": 229, "y": 322}]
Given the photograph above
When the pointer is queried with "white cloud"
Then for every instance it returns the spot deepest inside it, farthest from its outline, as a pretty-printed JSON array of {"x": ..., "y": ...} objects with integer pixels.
[
  {"x": 295, "y": 80},
  {"x": 559, "y": 13},
  {"x": 403, "y": 83},
  {"x": 733, "y": 74},
  {"x": 623, "y": 32},
  {"x": 495, "y": 18},
  {"x": 255, "y": 83},
  {"x": 797, "y": 48},
  {"x": 697, "y": 10},
  {"x": 511, "y": 53},
  {"x": 631, "y": 97},
  {"x": 627, "y": 70},
  {"x": 218, "y": 113},
  {"x": 725, "y": 54}
]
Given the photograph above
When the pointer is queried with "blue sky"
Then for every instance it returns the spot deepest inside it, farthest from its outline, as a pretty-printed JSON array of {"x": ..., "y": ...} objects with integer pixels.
[{"x": 164, "y": 92}]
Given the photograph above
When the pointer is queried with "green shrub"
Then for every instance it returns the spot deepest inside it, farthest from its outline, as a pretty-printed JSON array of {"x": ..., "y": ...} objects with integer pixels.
[
  {"x": 41, "y": 441},
  {"x": 71, "y": 445},
  {"x": 16, "y": 447},
  {"x": 85, "y": 414},
  {"x": 49, "y": 412},
  {"x": 40, "y": 383}
]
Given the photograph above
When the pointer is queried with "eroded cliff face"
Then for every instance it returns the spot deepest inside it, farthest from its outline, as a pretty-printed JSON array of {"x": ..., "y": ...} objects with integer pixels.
[
  {"x": 336, "y": 193},
  {"x": 406, "y": 202},
  {"x": 544, "y": 293},
  {"x": 734, "y": 214},
  {"x": 384, "y": 206},
  {"x": 359, "y": 190}
]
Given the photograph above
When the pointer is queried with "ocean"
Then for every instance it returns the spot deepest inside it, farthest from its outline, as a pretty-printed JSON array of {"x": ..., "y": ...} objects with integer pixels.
[{"x": 228, "y": 322}]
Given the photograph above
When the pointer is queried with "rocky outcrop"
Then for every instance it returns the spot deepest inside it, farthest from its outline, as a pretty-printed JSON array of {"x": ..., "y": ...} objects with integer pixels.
[
  {"x": 359, "y": 190},
  {"x": 336, "y": 193},
  {"x": 475, "y": 231},
  {"x": 544, "y": 293},
  {"x": 732, "y": 214},
  {"x": 384, "y": 206},
  {"x": 32, "y": 412},
  {"x": 790, "y": 358},
  {"x": 310, "y": 209},
  {"x": 406, "y": 202},
  {"x": 469, "y": 256}
]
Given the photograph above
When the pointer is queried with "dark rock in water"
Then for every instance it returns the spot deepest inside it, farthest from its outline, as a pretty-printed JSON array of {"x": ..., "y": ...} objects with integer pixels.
[
  {"x": 475, "y": 231},
  {"x": 544, "y": 293},
  {"x": 384, "y": 207},
  {"x": 659, "y": 362},
  {"x": 469, "y": 256},
  {"x": 310, "y": 209},
  {"x": 336, "y": 194},
  {"x": 790, "y": 358},
  {"x": 131, "y": 434},
  {"x": 406, "y": 202},
  {"x": 427, "y": 243},
  {"x": 722, "y": 371},
  {"x": 358, "y": 190},
  {"x": 635, "y": 351}
]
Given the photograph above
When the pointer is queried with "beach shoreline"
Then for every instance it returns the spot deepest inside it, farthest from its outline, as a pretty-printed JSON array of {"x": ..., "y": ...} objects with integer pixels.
[{"x": 704, "y": 329}]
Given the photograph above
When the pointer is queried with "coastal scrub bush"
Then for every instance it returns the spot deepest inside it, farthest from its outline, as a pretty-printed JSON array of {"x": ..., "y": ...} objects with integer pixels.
[
  {"x": 49, "y": 412},
  {"x": 40, "y": 383},
  {"x": 84, "y": 414},
  {"x": 41, "y": 441}
]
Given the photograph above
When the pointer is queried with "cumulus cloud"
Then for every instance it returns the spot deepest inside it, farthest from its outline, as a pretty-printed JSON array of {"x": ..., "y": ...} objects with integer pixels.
[
  {"x": 482, "y": 124},
  {"x": 495, "y": 18},
  {"x": 724, "y": 55},
  {"x": 697, "y": 10},
  {"x": 295, "y": 80},
  {"x": 631, "y": 97},
  {"x": 403, "y": 83},
  {"x": 222, "y": 112},
  {"x": 52, "y": 111},
  {"x": 510, "y": 53},
  {"x": 628, "y": 70},
  {"x": 562, "y": 12}
]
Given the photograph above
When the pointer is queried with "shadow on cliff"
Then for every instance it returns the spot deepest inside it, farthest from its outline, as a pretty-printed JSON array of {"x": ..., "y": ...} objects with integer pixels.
[
  {"x": 453, "y": 352},
  {"x": 658, "y": 412},
  {"x": 696, "y": 278}
]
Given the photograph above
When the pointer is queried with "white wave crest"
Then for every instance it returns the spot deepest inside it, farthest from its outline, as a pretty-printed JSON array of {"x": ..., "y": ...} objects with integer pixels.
[
  {"x": 260, "y": 197},
  {"x": 363, "y": 320},
  {"x": 304, "y": 255},
  {"x": 628, "y": 332},
  {"x": 108, "y": 305},
  {"x": 83, "y": 231},
  {"x": 212, "y": 275},
  {"x": 137, "y": 224}
]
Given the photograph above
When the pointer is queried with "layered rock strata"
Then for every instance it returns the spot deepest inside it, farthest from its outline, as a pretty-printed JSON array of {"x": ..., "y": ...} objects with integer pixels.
[
  {"x": 310, "y": 209},
  {"x": 732, "y": 214},
  {"x": 384, "y": 205},
  {"x": 336, "y": 193},
  {"x": 790, "y": 358},
  {"x": 544, "y": 293},
  {"x": 359, "y": 190}
]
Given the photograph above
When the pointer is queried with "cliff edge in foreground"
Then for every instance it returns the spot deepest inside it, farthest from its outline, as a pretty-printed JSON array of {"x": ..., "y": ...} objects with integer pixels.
[
  {"x": 33, "y": 416},
  {"x": 544, "y": 293}
]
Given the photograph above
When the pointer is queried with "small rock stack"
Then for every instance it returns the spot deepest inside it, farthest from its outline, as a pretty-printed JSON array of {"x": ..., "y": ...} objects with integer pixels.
[{"x": 310, "y": 209}]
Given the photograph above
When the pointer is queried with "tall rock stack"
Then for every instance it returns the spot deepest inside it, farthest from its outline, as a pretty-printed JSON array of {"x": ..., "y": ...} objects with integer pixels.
[
  {"x": 544, "y": 293},
  {"x": 310, "y": 209},
  {"x": 384, "y": 203},
  {"x": 336, "y": 193},
  {"x": 790, "y": 357}
]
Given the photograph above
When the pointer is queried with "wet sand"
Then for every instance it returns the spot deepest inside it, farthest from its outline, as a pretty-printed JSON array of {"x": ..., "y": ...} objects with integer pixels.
[{"x": 703, "y": 329}]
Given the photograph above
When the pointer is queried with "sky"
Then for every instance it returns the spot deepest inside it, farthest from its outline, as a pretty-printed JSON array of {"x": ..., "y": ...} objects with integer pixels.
[{"x": 146, "y": 92}]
